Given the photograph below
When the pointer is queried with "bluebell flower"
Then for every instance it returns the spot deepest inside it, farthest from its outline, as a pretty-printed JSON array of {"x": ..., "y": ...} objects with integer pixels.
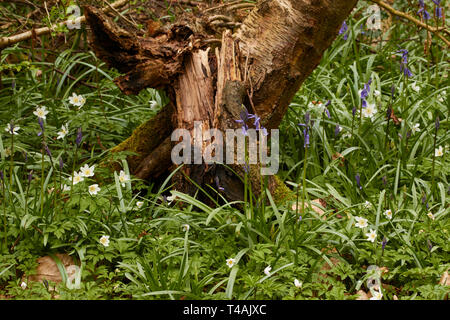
[
  {"x": 404, "y": 63},
  {"x": 438, "y": 11},
  {"x": 306, "y": 135},
  {"x": 41, "y": 124},
  {"x": 343, "y": 30},
  {"x": 216, "y": 180},
  {"x": 79, "y": 137},
  {"x": 337, "y": 129},
  {"x": 425, "y": 14},
  {"x": 358, "y": 180}
]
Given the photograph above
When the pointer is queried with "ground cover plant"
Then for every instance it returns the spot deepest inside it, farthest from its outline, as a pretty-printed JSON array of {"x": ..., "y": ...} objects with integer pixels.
[{"x": 363, "y": 153}]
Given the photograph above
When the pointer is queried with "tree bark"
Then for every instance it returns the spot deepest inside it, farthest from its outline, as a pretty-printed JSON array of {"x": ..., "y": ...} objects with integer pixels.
[{"x": 261, "y": 66}]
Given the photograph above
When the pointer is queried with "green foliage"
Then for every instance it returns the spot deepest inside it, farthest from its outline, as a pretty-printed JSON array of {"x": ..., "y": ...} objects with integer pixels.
[{"x": 151, "y": 255}]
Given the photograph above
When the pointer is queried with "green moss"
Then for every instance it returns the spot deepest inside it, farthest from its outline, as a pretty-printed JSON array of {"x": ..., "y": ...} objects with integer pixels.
[{"x": 281, "y": 193}]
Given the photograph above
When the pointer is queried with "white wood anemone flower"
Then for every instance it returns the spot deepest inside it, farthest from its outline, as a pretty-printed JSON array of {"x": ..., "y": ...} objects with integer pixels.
[
  {"x": 41, "y": 112},
  {"x": 77, "y": 100},
  {"x": 230, "y": 262},
  {"x": 371, "y": 236},
  {"x": 93, "y": 189},
  {"x": 63, "y": 132},
  {"x": 87, "y": 171},
  {"x": 104, "y": 240}
]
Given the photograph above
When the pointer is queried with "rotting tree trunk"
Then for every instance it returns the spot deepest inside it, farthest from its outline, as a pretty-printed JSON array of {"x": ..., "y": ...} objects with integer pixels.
[{"x": 261, "y": 66}]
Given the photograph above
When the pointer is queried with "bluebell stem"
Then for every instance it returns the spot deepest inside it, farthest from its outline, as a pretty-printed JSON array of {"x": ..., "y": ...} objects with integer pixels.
[
  {"x": 25, "y": 155},
  {"x": 436, "y": 123},
  {"x": 358, "y": 180},
  {"x": 1, "y": 175},
  {"x": 79, "y": 136}
]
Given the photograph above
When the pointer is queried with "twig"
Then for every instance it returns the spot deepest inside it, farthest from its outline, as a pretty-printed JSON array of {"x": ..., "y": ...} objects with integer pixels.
[
  {"x": 7, "y": 41},
  {"x": 413, "y": 20},
  {"x": 225, "y": 5},
  {"x": 122, "y": 16}
]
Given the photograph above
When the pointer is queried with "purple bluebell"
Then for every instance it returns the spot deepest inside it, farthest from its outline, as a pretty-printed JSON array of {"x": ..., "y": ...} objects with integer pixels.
[
  {"x": 343, "y": 30},
  {"x": 306, "y": 135},
  {"x": 216, "y": 180},
  {"x": 404, "y": 63},
  {"x": 79, "y": 136},
  {"x": 425, "y": 14},
  {"x": 388, "y": 113},
  {"x": 383, "y": 243},
  {"x": 246, "y": 167},
  {"x": 437, "y": 123},
  {"x": 13, "y": 84},
  {"x": 30, "y": 176},
  {"x": 264, "y": 131},
  {"x": 257, "y": 122},
  {"x": 392, "y": 90},
  {"x": 307, "y": 118},
  {"x": 327, "y": 113},
  {"x": 47, "y": 150},
  {"x": 11, "y": 127},
  {"x": 41, "y": 124},
  {"x": 429, "y": 244},
  {"x": 354, "y": 111},
  {"x": 358, "y": 180},
  {"x": 61, "y": 163},
  {"x": 337, "y": 129},
  {"x": 384, "y": 179},
  {"x": 245, "y": 116}
]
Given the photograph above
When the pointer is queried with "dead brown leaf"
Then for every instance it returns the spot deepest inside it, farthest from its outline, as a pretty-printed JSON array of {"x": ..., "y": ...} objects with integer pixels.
[
  {"x": 48, "y": 270},
  {"x": 314, "y": 207}
]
